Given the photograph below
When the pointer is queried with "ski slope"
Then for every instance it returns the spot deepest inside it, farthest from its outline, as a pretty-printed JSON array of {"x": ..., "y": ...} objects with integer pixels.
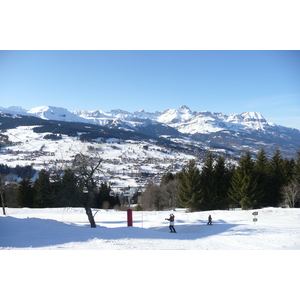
[
  {"x": 149, "y": 275},
  {"x": 68, "y": 229}
]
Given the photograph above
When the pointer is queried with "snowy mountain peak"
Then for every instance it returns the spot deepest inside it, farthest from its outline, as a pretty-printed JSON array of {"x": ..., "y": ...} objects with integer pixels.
[
  {"x": 184, "y": 108},
  {"x": 254, "y": 116},
  {"x": 55, "y": 113},
  {"x": 252, "y": 120},
  {"x": 40, "y": 110},
  {"x": 171, "y": 116},
  {"x": 91, "y": 114}
]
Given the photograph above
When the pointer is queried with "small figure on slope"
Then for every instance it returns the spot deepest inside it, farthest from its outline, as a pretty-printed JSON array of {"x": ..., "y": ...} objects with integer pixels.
[
  {"x": 171, "y": 220},
  {"x": 209, "y": 220}
]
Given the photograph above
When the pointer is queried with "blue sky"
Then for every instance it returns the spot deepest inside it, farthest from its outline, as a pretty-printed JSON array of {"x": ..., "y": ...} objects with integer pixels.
[{"x": 218, "y": 81}]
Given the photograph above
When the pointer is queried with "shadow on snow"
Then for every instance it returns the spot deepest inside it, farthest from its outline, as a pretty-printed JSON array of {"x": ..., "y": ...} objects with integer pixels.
[{"x": 35, "y": 232}]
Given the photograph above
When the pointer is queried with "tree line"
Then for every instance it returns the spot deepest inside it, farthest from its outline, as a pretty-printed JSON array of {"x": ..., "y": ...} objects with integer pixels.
[
  {"x": 217, "y": 184},
  {"x": 252, "y": 183},
  {"x": 18, "y": 171},
  {"x": 67, "y": 190}
]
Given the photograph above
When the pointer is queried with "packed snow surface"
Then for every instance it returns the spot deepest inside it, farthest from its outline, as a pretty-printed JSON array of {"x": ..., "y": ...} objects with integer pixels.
[{"x": 68, "y": 229}]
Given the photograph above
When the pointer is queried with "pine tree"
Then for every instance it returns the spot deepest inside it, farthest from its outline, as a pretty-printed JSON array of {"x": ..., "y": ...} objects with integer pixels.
[
  {"x": 69, "y": 190},
  {"x": 261, "y": 167},
  {"x": 244, "y": 189},
  {"x": 289, "y": 167},
  {"x": 277, "y": 179},
  {"x": 189, "y": 194},
  {"x": 167, "y": 178},
  {"x": 25, "y": 193},
  {"x": 208, "y": 184},
  {"x": 104, "y": 196},
  {"x": 222, "y": 177},
  {"x": 42, "y": 190}
]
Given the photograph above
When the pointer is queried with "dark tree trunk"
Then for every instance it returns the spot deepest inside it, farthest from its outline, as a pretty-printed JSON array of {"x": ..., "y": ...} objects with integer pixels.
[
  {"x": 90, "y": 216},
  {"x": 3, "y": 205}
]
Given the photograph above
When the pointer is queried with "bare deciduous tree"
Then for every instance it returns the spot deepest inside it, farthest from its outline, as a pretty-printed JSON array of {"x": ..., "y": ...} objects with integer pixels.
[
  {"x": 291, "y": 193},
  {"x": 151, "y": 197},
  {"x": 169, "y": 193},
  {"x": 160, "y": 196},
  {"x": 85, "y": 166}
]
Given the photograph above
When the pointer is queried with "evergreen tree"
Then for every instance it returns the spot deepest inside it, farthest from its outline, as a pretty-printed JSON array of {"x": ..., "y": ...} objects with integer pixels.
[
  {"x": 208, "y": 184},
  {"x": 55, "y": 193},
  {"x": 42, "y": 190},
  {"x": 115, "y": 201},
  {"x": 261, "y": 167},
  {"x": 24, "y": 171},
  {"x": 289, "y": 167},
  {"x": 189, "y": 194},
  {"x": 222, "y": 177},
  {"x": 69, "y": 190},
  {"x": 277, "y": 177},
  {"x": 244, "y": 189},
  {"x": 167, "y": 178},
  {"x": 104, "y": 196},
  {"x": 25, "y": 193}
]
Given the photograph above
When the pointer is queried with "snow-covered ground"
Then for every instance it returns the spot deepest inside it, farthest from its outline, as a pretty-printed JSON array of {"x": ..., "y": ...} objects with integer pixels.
[
  {"x": 68, "y": 229},
  {"x": 137, "y": 275}
]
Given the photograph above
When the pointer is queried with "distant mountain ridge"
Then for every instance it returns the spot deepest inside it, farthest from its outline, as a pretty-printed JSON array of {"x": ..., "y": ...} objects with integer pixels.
[
  {"x": 183, "y": 118},
  {"x": 210, "y": 129}
]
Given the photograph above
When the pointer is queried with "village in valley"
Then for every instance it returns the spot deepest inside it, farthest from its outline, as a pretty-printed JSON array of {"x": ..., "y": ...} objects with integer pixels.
[{"x": 127, "y": 166}]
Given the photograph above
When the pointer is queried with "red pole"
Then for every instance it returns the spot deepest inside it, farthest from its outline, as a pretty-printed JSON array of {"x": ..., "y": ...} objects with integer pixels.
[{"x": 129, "y": 217}]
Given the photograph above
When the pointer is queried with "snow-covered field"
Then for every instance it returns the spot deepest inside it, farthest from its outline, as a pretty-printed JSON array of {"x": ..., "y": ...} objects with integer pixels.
[
  {"x": 68, "y": 229},
  {"x": 149, "y": 275}
]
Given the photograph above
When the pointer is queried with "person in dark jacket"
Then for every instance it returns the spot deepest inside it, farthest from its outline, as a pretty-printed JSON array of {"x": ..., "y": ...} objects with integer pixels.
[
  {"x": 209, "y": 220},
  {"x": 171, "y": 220}
]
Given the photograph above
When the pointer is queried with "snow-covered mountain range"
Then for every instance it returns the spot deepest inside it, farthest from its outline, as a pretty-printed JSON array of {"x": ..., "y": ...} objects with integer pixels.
[
  {"x": 182, "y": 119},
  {"x": 233, "y": 131}
]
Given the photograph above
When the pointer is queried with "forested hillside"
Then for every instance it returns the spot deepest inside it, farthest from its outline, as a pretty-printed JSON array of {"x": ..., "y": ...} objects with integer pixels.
[{"x": 253, "y": 183}]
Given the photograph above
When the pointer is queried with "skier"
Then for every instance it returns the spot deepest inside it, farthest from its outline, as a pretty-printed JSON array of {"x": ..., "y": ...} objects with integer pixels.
[
  {"x": 209, "y": 220},
  {"x": 171, "y": 219}
]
